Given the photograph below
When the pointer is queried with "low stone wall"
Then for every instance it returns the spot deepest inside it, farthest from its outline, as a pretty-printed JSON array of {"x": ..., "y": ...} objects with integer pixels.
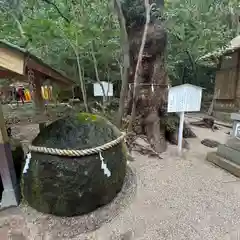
[{"x": 222, "y": 116}]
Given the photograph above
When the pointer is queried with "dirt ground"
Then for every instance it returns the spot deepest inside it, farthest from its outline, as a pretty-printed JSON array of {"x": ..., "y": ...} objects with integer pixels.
[
  {"x": 27, "y": 113},
  {"x": 175, "y": 198}
]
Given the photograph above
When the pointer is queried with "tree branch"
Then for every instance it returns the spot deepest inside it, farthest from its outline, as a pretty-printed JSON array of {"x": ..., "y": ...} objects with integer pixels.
[
  {"x": 57, "y": 9},
  {"x": 126, "y": 61},
  {"x": 13, "y": 15},
  {"x": 193, "y": 63},
  {"x": 19, "y": 26},
  {"x": 96, "y": 72},
  {"x": 80, "y": 74},
  {"x": 139, "y": 62}
]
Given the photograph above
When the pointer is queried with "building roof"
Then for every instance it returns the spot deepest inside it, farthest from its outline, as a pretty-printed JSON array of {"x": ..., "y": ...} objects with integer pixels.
[
  {"x": 235, "y": 43},
  {"x": 233, "y": 46},
  {"x": 30, "y": 60},
  {"x": 186, "y": 85}
]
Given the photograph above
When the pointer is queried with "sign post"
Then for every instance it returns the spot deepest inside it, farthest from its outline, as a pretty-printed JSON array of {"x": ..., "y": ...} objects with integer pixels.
[
  {"x": 180, "y": 132},
  {"x": 181, "y": 99},
  {"x": 98, "y": 90}
]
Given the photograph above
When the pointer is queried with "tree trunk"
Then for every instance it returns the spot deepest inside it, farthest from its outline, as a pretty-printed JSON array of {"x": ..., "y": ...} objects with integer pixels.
[
  {"x": 151, "y": 90},
  {"x": 151, "y": 97},
  {"x": 126, "y": 62}
]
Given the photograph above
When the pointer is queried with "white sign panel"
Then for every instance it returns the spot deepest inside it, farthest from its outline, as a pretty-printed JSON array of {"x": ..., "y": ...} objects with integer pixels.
[
  {"x": 237, "y": 131},
  {"x": 108, "y": 89},
  {"x": 184, "y": 98}
]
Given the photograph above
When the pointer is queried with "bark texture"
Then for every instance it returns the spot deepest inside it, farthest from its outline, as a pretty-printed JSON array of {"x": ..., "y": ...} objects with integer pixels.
[
  {"x": 152, "y": 91},
  {"x": 151, "y": 97}
]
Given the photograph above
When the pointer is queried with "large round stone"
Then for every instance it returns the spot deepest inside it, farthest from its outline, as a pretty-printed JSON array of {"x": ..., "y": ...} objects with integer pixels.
[{"x": 69, "y": 186}]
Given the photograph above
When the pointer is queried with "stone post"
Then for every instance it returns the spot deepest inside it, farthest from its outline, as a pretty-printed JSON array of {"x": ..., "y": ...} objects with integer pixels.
[
  {"x": 227, "y": 155},
  {"x": 39, "y": 101},
  {"x": 35, "y": 81},
  {"x": 11, "y": 193},
  {"x": 236, "y": 125}
]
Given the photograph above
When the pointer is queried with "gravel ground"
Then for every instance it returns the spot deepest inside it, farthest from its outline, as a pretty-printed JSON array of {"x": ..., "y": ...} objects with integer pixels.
[
  {"x": 71, "y": 227},
  {"x": 180, "y": 198},
  {"x": 176, "y": 198}
]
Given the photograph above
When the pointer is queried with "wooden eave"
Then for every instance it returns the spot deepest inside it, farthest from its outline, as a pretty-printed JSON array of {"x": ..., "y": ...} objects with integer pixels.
[{"x": 32, "y": 62}]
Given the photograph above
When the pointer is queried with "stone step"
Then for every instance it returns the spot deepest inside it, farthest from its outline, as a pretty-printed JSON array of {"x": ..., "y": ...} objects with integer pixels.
[
  {"x": 224, "y": 163},
  {"x": 233, "y": 143},
  {"x": 229, "y": 153}
]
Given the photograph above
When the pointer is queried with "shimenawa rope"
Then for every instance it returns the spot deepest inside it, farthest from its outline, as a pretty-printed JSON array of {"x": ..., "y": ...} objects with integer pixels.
[{"x": 77, "y": 153}]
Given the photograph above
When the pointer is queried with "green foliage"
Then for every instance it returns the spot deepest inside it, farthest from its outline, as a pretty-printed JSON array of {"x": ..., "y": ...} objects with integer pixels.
[
  {"x": 197, "y": 27},
  {"x": 56, "y": 30}
]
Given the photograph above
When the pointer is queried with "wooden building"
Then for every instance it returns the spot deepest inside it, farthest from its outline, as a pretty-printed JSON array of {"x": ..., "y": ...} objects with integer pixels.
[
  {"x": 17, "y": 64},
  {"x": 227, "y": 80}
]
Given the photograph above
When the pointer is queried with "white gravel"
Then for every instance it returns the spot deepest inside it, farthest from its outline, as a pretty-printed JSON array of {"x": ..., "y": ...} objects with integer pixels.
[{"x": 178, "y": 198}]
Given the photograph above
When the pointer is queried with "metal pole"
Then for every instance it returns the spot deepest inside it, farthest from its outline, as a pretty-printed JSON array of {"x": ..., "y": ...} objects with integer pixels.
[{"x": 180, "y": 132}]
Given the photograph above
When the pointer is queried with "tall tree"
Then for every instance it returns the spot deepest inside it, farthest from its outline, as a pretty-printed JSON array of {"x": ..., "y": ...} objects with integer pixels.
[
  {"x": 151, "y": 91},
  {"x": 195, "y": 28},
  {"x": 56, "y": 30}
]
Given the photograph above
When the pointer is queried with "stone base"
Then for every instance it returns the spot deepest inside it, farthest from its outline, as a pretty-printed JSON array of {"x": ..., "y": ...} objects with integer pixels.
[
  {"x": 236, "y": 120},
  {"x": 223, "y": 116},
  {"x": 10, "y": 197},
  {"x": 229, "y": 153},
  {"x": 224, "y": 163}
]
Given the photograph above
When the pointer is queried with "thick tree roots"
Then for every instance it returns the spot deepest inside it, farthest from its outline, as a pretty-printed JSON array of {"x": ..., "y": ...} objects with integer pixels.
[
  {"x": 205, "y": 123},
  {"x": 171, "y": 123},
  {"x": 210, "y": 143},
  {"x": 167, "y": 128}
]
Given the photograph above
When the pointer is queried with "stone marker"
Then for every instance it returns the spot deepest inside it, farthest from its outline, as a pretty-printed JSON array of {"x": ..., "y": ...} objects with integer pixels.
[
  {"x": 228, "y": 154},
  {"x": 236, "y": 125}
]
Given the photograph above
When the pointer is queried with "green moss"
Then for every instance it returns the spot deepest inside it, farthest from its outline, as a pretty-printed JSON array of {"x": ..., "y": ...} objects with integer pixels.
[
  {"x": 35, "y": 185},
  {"x": 124, "y": 149},
  {"x": 87, "y": 117},
  {"x": 36, "y": 189},
  {"x": 21, "y": 188},
  {"x": 68, "y": 186},
  {"x": 170, "y": 123},
  {"x": 37, "y": 193}
]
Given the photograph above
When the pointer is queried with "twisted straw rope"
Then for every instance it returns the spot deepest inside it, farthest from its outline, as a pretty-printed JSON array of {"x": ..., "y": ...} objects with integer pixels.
[{"x": 77, "y": 153}]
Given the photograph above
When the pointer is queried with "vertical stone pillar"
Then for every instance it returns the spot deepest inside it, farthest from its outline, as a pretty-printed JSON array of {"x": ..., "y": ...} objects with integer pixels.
[
  {"x": 11, "y": 193},
  {"x": 236, "y": 124},
  {"x": 35, "y": 80},
  {"x": 39, "y": 101}
]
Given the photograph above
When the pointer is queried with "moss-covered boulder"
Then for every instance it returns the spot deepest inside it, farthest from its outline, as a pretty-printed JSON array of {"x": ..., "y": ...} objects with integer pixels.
[
  {"x": 18, "y": 157},
  {"x": 69, "y": 186}
]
